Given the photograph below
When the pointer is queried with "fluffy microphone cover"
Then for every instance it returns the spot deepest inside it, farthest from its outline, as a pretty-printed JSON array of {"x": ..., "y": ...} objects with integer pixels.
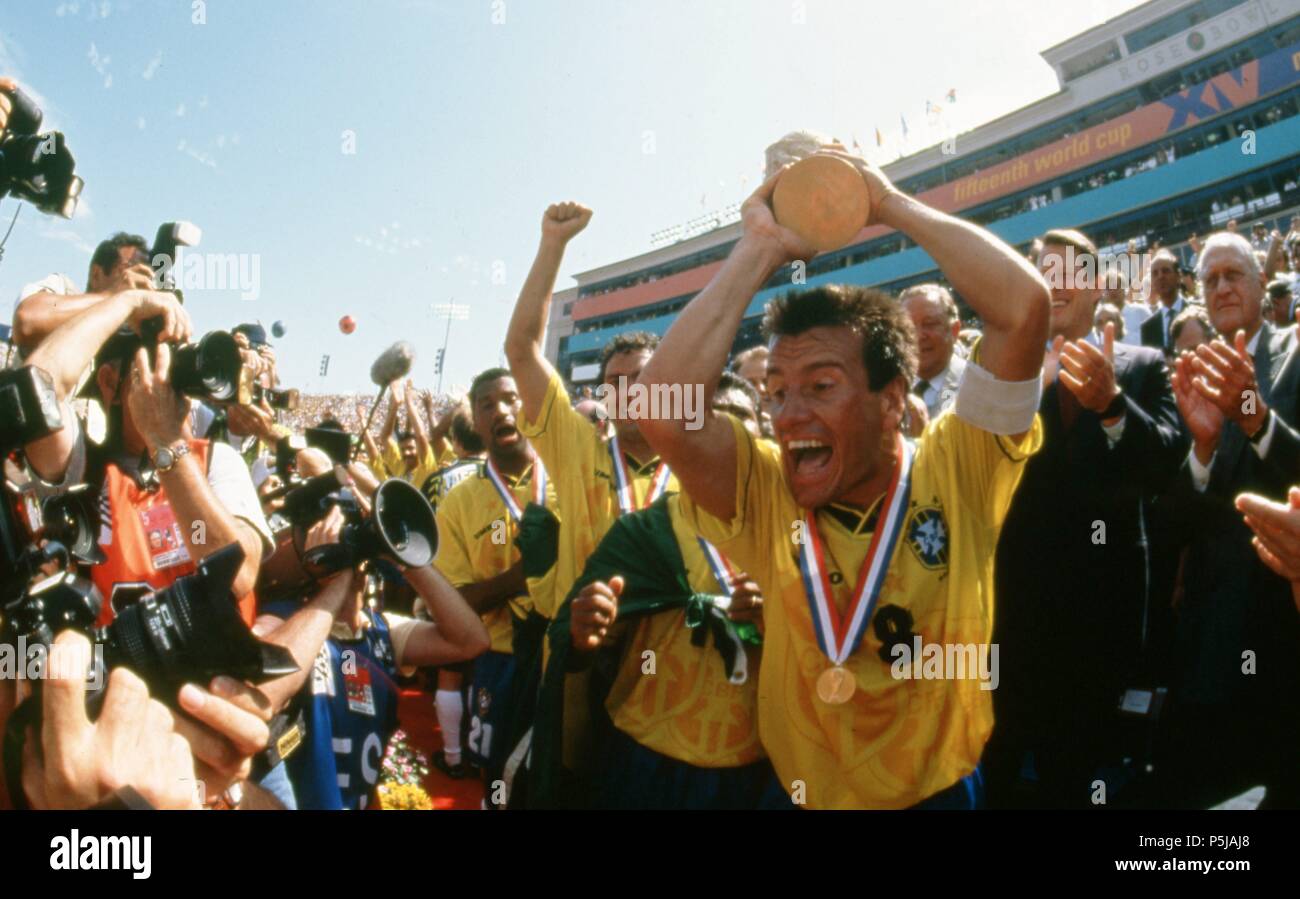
[{"x": 393, "y": 363}]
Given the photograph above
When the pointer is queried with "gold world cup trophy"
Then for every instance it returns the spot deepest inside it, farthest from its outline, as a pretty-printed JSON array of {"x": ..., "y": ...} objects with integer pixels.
[{"x": 823, "y": 199}]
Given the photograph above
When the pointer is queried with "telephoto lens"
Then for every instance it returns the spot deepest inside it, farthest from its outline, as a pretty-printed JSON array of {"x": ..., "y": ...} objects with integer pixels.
[
  {"x": 211, "y": 370},
  {"x": 191, "y": 632}
]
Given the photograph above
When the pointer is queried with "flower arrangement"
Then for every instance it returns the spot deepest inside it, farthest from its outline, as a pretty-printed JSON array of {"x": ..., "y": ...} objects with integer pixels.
[{"x": 401, "y": 775}]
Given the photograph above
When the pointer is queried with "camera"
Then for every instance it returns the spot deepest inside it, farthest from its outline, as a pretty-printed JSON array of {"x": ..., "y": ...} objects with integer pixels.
[
  {"x": 334, "y": 443},
  {"x": 189, "y": 632},
  {"x": 285, "y": 398},
  {"x": 162, "y": 256},
  {"x": 401, "y": 524},
  {"x": 36, "y": 167},
  {"x": 211, "y": 370},
  {"x": 29, "y": 407}
]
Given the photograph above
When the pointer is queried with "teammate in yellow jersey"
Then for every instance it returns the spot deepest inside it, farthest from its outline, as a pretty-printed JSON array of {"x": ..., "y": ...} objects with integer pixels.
[
  {"x": 414, "y": 454},
  {"x": 685, "y": 730},
  {"x": 868, "y": 550},
  {"x": 597, "y": 472},
  {"x": 477, "y": 524}
]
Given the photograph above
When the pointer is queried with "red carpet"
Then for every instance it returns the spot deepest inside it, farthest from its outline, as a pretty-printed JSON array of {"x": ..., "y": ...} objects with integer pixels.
[{"x": 417, "y": 718}]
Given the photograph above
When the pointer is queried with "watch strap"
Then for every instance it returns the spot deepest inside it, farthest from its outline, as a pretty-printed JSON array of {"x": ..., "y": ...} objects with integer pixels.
[{"x": 1116, "y": 408}]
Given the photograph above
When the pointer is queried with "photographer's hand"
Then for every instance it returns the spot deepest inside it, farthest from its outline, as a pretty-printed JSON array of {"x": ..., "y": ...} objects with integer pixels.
[
  {"x": 149, "y": 304},
  {"x": 132, "y": 743},
  {"x": 256, "y": 421},
  {"x": 227, "y": 730},
  {"x": 131, "y": 277},
  {"x": 158, "y": 410}
]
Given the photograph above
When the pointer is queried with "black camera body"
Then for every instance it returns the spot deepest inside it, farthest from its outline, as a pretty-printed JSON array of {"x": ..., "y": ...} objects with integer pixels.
[
  {"x": 401, "y": 525},
  {"x": 285, "y": 398},
  {"x": 189, "y": 632},
  {"x": 29, "y": 407},
  {"x": 36, "y": 167},
  {"x": 165, "y": 252}
]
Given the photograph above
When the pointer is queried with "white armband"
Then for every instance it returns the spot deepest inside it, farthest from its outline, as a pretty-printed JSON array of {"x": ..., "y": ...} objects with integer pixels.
[{"x": 999, "y": 407}]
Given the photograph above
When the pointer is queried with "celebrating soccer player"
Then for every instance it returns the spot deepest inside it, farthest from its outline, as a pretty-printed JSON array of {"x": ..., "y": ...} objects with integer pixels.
[
  {"x": 865, "y": 548},
  {"x": 597, "y": 473}
]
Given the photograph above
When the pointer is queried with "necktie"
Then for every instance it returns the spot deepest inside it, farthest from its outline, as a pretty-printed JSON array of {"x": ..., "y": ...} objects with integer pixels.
[{"x": 921, "y": 389}]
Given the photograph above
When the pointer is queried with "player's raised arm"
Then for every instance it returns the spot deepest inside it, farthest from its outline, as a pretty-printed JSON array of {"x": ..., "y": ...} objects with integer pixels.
[
  {"x": 695, "y": 352},
  {"x": 560, "y": 224},
  {"x": 1003, "y": 288}
]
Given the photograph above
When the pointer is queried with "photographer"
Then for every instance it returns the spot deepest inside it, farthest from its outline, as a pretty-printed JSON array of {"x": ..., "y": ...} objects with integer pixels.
[
  {"x": 167, "y": 500},
  {"x": 119, "y": 263},
  {"x": 352, "y": 703},
  {"x": 250, "y": 429}
]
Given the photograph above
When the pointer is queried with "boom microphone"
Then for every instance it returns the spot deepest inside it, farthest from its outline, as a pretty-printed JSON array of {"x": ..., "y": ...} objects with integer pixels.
[{"x": 392, "y": 364}]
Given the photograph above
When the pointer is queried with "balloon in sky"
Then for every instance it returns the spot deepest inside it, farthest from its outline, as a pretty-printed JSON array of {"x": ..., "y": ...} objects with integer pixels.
[
  {"x": 347, "y": 324},
  {"x": 278, "y": 329}
]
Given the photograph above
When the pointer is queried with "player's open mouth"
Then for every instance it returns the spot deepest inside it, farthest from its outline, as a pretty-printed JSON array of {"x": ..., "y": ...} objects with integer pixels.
[
  {"x": 506, "y": 434},
  {"x": 810, "y": 457}
]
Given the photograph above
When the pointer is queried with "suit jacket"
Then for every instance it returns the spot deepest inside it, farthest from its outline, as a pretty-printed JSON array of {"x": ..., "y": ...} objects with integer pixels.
[
  {"x": 1232, "y": 603},
  {"x": 1071, "y": 566},
  {"x": 1153, "y": 330}
]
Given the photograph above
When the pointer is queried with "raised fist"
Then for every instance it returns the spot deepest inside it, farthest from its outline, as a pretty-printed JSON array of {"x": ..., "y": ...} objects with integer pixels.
[{"x": 563, "y": 221}]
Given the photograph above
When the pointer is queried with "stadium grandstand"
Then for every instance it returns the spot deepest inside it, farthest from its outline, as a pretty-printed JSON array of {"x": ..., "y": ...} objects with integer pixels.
[{"x": 1170, "y": 121}]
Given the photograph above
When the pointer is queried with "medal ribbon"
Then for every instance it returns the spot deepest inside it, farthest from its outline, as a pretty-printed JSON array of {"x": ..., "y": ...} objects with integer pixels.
[
  {"x": 839, "y": 637},
  {"x": 508, "y": 496},
  {"x": 722, "y": 569},
  {"x": 623, "y": 480}
]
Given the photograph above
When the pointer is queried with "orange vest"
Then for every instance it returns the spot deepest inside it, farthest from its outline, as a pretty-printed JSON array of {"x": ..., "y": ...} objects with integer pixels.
[{"x": 146, "y": 547}]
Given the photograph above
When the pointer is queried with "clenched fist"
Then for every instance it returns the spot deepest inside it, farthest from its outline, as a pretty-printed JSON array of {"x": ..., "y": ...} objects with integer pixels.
[
  {"x": 564, "y": 221},
  {"x": 594, "y": 611}
]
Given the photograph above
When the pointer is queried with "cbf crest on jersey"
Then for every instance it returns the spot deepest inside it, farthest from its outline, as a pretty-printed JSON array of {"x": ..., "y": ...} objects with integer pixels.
[{"x": 927, "y": 536}]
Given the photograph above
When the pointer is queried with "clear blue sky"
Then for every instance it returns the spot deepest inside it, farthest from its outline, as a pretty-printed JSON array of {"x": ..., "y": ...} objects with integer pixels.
[{"x": 465, "y": 131}]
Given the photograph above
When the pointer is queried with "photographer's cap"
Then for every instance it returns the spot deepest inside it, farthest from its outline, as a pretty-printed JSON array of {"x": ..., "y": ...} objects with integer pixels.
[{"x": 255, "y": 333}]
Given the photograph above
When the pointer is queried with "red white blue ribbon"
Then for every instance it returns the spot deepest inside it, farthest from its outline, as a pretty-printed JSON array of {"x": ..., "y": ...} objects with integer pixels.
[
  {"x": 722, "y": 569},
  {"x": 723, "y": 572},
  {"x": 508, "y": 496},
  {"x": 623, "y": 480},
  {"x": 839, "y": 637}
]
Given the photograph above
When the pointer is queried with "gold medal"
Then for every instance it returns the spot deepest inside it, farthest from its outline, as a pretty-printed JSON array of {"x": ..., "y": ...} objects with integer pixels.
[{"x": 835, "y": 686}]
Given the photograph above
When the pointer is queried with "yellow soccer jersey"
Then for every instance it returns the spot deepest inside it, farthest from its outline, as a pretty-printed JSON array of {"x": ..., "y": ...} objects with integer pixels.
[
  {"x": 476, "y": 541},
  {"x": 896, "y": 741},
  {"x": 686, "y": 709},
  {"x": 581, "y": 470},
  {"x": 395, "y": 467}
]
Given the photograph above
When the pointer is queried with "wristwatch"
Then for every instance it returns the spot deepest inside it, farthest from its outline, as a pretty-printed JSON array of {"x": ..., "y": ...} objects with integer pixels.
[
  {"x": 1258, "y": 436},
  {"x": 1116, "y": 407},
  {"x": 166, "y": 457}
]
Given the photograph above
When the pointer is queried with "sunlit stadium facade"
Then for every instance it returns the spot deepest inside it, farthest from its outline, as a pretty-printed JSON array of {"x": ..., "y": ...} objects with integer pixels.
[{"x": 1169, "y": 121}]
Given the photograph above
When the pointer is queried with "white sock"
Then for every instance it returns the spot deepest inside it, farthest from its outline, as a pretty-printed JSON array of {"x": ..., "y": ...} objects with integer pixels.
[{"x": 450, "y": 706}]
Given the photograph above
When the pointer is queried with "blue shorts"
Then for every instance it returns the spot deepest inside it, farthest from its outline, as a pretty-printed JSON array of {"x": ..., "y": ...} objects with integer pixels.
[
  {"x": 489, "y": 710},
  {"x": 635, "y": 777}
]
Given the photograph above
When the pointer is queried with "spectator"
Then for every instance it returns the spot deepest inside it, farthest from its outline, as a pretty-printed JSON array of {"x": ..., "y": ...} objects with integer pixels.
[
  {"x": 1228, "y": 732},
  {"x": 938, "y": 372},
  {"x": 1191, "y": 329},
  {"x": 1165, "y": 289},
  {"x": 1111, "y": 442}
]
